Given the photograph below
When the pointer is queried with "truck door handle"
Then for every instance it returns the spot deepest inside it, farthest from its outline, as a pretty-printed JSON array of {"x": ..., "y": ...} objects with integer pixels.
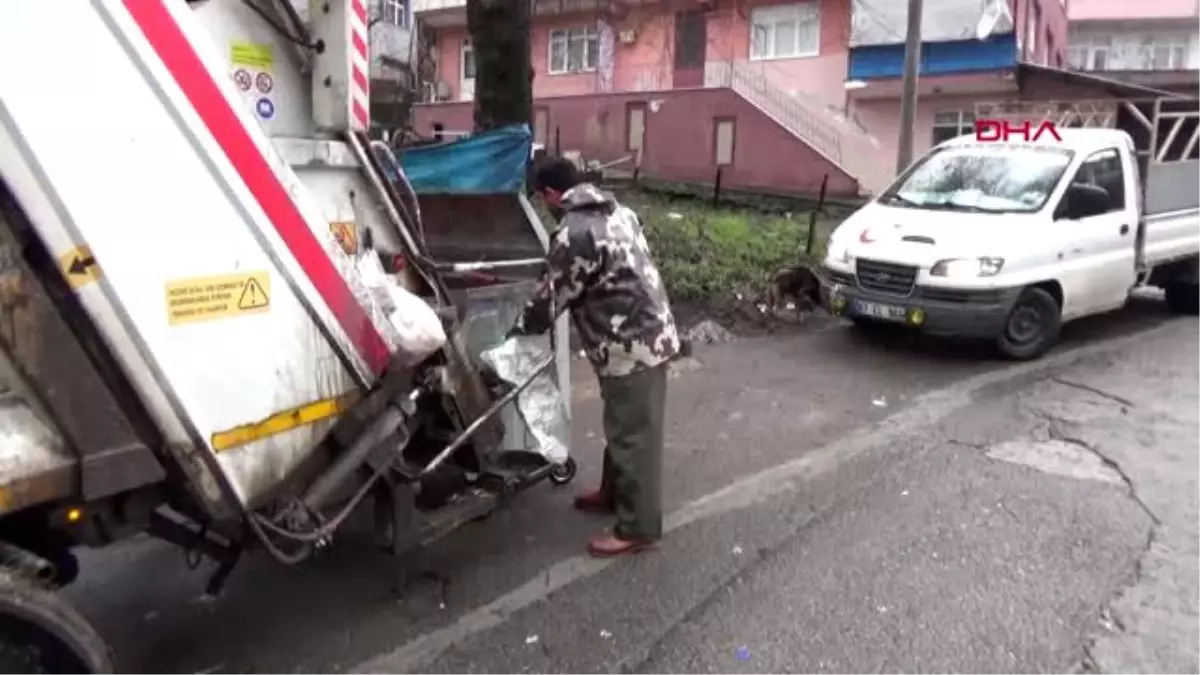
[{"x": 1124, "y": 230}]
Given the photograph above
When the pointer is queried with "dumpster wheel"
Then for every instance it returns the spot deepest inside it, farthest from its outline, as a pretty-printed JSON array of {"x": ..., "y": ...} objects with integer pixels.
[
  {"x": 561, "y": 474},
  {"x": 41, "y": 633}
]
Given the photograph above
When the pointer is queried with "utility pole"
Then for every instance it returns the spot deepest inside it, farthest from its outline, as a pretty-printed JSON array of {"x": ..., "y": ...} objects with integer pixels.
[{"x": 908, "y": 100}]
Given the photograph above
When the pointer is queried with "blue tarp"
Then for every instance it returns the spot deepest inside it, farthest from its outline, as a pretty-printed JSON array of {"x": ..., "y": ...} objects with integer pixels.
[{"x": 491, "y": 162}]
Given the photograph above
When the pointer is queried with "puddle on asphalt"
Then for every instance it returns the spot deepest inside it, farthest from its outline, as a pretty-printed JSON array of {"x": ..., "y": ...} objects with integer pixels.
[{"x": 1056, "y": 457}]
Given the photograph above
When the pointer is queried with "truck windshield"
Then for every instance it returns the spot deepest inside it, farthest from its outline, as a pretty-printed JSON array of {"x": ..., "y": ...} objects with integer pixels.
[{"x": 989, "y": 178}]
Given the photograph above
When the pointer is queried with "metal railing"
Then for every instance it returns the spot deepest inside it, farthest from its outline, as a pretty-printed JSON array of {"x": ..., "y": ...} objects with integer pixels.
[{"x": 756, "y": 87}]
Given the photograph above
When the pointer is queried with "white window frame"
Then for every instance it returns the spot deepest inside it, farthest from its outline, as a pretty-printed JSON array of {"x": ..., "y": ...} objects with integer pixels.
[
  {"x": 588, "y": 34},
  {"x": 1032, "y": 25},
  {"x": 1130, "y": 51},
  {"x": 1176, "y": 46},
  {"x": 963, "y": 122},
  {"x": 394, "y": 12},
  {"x": 765, "y": 21},
  {"x": 1082, "y": 51},
  {"x": 465, "y": 49}
]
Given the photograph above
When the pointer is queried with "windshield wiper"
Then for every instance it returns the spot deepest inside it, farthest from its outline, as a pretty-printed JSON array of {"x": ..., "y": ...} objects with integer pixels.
[
  {"x": 897, "y": 199},
  {"x": 955, "y": 206}
]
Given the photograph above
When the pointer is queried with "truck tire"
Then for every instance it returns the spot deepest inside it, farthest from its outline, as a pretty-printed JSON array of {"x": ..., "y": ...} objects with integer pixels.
[
  {"x": 1183, "y": 298},
  {"x": 1032, "y": 326},
  {"x": 41, "y": 633}
]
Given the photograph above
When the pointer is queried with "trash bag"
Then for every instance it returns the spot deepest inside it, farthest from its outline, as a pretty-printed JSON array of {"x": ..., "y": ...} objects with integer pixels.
[
  {"x": 541, "y": 405},
  {"x": 418, "y": 330}
]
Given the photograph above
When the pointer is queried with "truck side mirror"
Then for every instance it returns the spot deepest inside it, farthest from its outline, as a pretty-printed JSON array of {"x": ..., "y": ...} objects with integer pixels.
[{"x": 1083, "y": 200}]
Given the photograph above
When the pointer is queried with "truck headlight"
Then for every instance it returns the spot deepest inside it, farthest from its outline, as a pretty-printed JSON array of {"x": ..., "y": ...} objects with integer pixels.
[{"x": 967, "y": 267}]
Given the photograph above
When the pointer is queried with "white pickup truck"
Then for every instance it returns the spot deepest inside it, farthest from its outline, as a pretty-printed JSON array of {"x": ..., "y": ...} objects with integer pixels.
[{"x": 1008, "y": 241}]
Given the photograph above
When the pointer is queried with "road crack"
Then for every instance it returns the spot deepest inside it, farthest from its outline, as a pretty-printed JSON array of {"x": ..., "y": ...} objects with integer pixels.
[
  {"x": 1055, "y": 430},
  {"x": 1094, "y": 390}
]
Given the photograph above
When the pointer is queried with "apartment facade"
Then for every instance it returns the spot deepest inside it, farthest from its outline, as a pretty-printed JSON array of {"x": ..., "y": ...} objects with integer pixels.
[
  {"x": 1156, "y": 43},
  {"x": 970, "y": 52},
  {"x": 780, "y": 94}
]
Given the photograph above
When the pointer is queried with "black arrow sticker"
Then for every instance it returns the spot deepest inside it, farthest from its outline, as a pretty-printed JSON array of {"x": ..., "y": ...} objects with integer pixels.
[{"x": 81, "y": 264}]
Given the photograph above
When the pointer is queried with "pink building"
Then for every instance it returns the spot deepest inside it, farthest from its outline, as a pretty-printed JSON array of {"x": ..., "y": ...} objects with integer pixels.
[{"x": 778, "y": 93}]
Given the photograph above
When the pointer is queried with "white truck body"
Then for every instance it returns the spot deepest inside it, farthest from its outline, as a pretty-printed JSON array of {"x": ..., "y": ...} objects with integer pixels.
[
  {"x": 198, "y": 160},
  {"x": 956, "y": 261}
]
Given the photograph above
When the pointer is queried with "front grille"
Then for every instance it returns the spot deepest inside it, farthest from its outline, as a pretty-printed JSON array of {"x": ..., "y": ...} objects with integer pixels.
[
  {"x": 838, "y": 277},
  {"x": 884, "y": 277},
  {"x": 983, "y": 296}
]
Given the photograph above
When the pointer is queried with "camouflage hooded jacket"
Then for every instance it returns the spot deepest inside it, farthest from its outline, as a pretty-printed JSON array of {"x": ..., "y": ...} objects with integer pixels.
[{"x": 599, "y": 267}]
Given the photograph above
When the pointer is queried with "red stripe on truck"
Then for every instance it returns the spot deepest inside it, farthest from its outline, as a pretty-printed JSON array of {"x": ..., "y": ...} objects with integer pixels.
[{"x": 203, "y": 93}]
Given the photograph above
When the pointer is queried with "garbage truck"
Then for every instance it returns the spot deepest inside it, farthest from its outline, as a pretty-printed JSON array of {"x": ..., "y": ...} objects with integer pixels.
[{"x": 230, "y": 319}]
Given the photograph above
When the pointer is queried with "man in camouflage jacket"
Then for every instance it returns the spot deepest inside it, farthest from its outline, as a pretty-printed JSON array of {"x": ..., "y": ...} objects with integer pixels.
[{"x": 599, "y": 267}]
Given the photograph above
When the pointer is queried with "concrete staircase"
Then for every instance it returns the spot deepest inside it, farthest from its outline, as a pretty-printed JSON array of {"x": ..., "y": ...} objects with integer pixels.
[{"x": 835, "y": 136}]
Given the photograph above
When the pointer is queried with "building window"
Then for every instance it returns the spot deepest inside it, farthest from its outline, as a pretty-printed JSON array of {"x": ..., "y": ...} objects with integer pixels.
[
  {"x": 468, "y": 60},
  {"x": 952, "y": 124},
  {"x": 1090, "y": 53},
  {"x": 1155, "y": 51},
  {"x": 1032, "y": 24},
  {"x": 573, "y": 50},
  {"x": 724, "y": 137},
  {"x": 393, "y": 12},
  {"x": 785, "y": 31},
  {"x": 1167, "y": 53}
]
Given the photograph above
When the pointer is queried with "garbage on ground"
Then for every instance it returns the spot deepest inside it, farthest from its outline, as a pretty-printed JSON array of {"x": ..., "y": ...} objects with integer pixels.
[
  {"x": 605, "y": 634},
  {"x": 541, "y": 405},
  {"x": 708, "y": 332},
  {"x": 674, "y": 215},
  {"x": 879, "y": 401},
  {"x": 531, "y": 639},
  {"x": 737, "y": 550},
  {"x": 742, "y": 653}
]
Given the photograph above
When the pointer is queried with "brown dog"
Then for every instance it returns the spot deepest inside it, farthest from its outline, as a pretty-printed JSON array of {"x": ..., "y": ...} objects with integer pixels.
[{"x": 797, "y": 284}]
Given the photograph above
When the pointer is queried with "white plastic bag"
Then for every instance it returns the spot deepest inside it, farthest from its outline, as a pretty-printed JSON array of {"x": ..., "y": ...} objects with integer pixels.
[
  {"x": 370, "y": 270},
  {"x": 420, "y": 329},
  {"x": 541, "y": 405}
]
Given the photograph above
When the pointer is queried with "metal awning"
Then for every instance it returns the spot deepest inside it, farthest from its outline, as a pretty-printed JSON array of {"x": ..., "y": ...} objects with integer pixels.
[{"x": 1115, "y": 88}]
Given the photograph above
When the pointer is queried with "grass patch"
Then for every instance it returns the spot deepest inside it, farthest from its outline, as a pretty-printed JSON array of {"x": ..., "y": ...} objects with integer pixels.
[{"x": 714, "y": 255}]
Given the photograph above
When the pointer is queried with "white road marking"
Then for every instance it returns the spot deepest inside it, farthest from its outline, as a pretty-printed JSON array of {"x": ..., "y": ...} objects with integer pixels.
[{"x": 926, "y": 411}]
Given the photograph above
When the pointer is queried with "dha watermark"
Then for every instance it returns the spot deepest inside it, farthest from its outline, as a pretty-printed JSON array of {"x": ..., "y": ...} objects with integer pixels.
[{"x": 1003, "y": 131}]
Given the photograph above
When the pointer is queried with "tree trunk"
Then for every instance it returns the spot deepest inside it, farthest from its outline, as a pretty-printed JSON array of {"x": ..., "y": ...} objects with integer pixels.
[{"x": 503, "y": 62}]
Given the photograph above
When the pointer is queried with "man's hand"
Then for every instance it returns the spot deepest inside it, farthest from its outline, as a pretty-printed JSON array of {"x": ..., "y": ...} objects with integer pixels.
[{"x": 570, "y": 266}]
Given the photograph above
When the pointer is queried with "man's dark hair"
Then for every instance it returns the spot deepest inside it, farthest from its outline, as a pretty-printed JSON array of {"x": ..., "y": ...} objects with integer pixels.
[{"x": 555, "y": 173}]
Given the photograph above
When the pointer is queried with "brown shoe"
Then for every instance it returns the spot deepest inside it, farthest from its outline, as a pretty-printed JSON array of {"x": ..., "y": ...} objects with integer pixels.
[
  {"x": 595, "y": 501},
  {"x": 610, "y": 545}
]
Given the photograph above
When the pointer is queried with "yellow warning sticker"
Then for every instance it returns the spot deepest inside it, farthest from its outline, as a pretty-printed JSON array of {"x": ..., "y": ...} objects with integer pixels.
[
  {"x": 345, "y": 234},
  {"x": 222, "y": 297},
  {"x": 251, "y": 55},
  {"x": 79, "y": 267}
]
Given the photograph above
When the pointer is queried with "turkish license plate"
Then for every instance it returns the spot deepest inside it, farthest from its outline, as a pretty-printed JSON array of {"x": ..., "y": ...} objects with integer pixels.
[{"x": 878, "y": 310}]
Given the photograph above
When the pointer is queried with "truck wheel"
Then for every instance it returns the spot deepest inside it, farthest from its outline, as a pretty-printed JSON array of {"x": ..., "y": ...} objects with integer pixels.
[
  {"x": 1183, "y": 298},
  {"x": 41, "y": 633},
  {"x": 1032, "y": 326}
]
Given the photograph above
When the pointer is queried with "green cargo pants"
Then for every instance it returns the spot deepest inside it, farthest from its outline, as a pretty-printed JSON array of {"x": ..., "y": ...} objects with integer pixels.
[{"x": 634, "y": 408}]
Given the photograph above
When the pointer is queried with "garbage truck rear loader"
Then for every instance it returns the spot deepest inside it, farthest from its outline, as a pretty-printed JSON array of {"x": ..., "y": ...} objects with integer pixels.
[{"x": 204, "y": 334}]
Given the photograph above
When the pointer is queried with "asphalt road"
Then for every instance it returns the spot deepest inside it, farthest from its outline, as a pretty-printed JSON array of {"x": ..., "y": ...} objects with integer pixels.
[{"x": 835, "y": 504}]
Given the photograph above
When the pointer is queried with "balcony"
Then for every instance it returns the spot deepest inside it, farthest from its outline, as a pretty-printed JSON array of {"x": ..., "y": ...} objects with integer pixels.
[
  {"x": 390, "y": 34},
  {"x": 391, "y": 45},
  {"x": 423, "y": 6},
  {"x": 445, "y": 12}
]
